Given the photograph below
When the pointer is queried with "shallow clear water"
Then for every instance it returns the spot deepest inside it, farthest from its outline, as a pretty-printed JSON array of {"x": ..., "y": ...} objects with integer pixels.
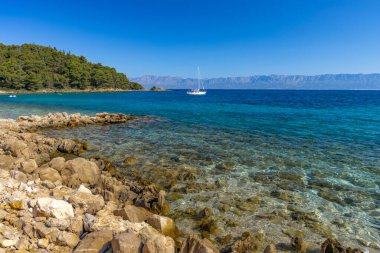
[{"x": 313, "y": 154}]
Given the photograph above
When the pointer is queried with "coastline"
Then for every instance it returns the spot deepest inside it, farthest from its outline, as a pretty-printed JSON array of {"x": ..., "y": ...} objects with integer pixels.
[
  {"x": 31, "y": 160},
  {"x": 8, "y": 92}
]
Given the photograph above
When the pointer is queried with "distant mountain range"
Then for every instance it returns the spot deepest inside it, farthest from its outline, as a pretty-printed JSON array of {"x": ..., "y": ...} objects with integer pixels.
[{"x": 317, "y": 82}]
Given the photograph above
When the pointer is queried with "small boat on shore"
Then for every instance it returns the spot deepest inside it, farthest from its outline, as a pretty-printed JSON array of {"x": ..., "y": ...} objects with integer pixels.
[{"x": 201, "y": 89}]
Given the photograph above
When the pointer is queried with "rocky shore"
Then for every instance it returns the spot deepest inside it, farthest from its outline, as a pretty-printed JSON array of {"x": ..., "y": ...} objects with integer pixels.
[
  {"x": 53, "y": 200},
  {"x": 45, "y": 91}
]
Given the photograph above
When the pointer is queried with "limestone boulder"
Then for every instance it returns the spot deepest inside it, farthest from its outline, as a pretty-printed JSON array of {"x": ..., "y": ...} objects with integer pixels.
[
  {"x": 57, "y": 163},
  {"x": 95, "y": 242},
  {"x": 61, "y": 224},
  {"x": 17, "y": 148},
  {"x": 83, "y": 188},
  {"x": 49, "y": 207},
  {"x": 69, "y": 146},
  {"x": 194, "y": 244},
  {"x": 164, "y": 225},
  {"x": 76, "y": 225},
  {"x": 133, "y": 213},
  {"x": 67, "y": 239},
  {"x": 87, "y": 201},
  {"x": 29, "y": 166},
  {"x": 98, "y": 223},
  {"x": 7, "y": 162},
  {"x": 159, "y": 244},
  {"x": 80, "y": 171},
  {"x": 19, "y": 176},
  {"x": 127, "y": 242},
  {"x": 50, "y": 174}
]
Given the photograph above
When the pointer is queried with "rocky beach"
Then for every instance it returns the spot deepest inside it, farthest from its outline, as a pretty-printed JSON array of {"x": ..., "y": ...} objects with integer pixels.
[{"x": 54, "y": 200}]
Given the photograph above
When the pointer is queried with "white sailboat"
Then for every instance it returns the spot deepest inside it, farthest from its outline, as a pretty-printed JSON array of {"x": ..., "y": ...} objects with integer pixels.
[{"x": 201, "y": 89}]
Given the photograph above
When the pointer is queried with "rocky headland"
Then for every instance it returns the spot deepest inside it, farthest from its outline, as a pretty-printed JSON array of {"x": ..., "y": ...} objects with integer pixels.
[{"x": 53, "y": 200}]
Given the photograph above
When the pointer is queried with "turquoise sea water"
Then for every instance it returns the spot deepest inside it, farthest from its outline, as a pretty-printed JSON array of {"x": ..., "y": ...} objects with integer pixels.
[{"x": 313, "y": 154}]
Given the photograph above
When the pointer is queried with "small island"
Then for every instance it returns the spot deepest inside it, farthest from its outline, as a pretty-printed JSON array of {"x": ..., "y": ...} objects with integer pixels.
[
  {"x": 154, "y": 88},
  {"x": 33, "y": 68}
]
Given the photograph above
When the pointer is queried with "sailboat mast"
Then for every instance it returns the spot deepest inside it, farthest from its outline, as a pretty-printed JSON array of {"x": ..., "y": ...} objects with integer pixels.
[{"x": 199, "y": 79}]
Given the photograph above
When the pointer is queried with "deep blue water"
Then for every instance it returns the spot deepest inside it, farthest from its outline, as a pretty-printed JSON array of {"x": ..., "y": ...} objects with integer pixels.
[{"x": 329, "y": 139}]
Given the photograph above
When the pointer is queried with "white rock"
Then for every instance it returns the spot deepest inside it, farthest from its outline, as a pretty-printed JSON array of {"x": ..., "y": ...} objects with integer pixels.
[
  {"x": 43, "y": 243},
  {"x": 50, "y": 207},
  {"x": 9, "y": 243},
  {"x": 83, "y": 188}
]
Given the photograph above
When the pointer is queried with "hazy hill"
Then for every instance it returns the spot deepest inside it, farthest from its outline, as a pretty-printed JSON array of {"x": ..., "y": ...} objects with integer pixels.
[
  {"x": 320, "y": 82},
  {"x": 34, "y": 67}
]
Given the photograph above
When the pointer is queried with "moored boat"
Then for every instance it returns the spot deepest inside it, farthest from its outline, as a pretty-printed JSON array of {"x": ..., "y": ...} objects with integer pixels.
[{"x": 201, "y": 89}]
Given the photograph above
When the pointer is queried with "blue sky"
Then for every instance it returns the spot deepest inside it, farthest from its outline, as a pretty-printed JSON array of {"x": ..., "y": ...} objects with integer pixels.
[{"x": 225, "y": 38}]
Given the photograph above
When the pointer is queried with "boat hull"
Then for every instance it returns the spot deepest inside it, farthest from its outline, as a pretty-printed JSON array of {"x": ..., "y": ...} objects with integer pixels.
[{"x": 197, "y": 93}]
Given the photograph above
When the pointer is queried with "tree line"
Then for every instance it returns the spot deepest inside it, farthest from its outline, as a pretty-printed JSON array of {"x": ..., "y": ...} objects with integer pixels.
[{"x": 34, "y": 67}]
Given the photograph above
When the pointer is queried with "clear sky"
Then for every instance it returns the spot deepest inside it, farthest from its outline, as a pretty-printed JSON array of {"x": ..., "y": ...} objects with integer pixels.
[{"x": 225, "y": 38}]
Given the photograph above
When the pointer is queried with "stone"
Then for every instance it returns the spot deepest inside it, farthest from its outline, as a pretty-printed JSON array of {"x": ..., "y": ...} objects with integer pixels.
[
  {"x": 8, "y": 242},
  {"x": 45, "y": 232},
  {"x": 107, "y": 222},
  {"x": 127, "y": 242},
  {"x": 49, "y": 207},
  {"x": 76, "y": 225},
  {"x": 162, "y": 203},
  {"x": 43, "y": 243},
  {"x": 131, "y": 160},
  {"x": 57, "y": 163},
  {"x": 19, "y": 176},
  {"x": 61, "y": 224},
  {"x": 7, "y": 162},
  {"x": 22, "y": 244},
  {"x": 271, "y": 248},
  {"x": 194, "y": 244},
  {"x": 18, "y": 204},
  {"x": 50, "y": 174},
  {"x": 88, "y": 222},
  {"x": 133, "y": 213},
  {"x": 17, "y": 148},
  {"x": 67, "y": 239},
  {"x": 95, "y": 242},
  {"x": 80, "y": 170},
  {"x": 29, "y": 166},
  {"x": 332, "y": 246},
  {"x": 87, "y": 201},
  {"x": 83, "y": 188},
  {"x": 28, "y": 230},
  {"x": 164, "y": 225},
  {"x": 159, "y": 244},
  {"x": 298, "y": 244},
  {"x": 248, "y": 243}
]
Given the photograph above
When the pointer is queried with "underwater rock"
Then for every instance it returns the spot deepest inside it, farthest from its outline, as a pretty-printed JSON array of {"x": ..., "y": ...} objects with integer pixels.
[
  {"x": 271, "y": 248},
  {"x": 130, "y": 160},
  {"x": 332, "y": 246},
  {"x": 247, "y": 243},
  {"x": 298, "y": 244},
  {"x": 226, "y": 166},
  {"x": 194, "y": 244}
]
